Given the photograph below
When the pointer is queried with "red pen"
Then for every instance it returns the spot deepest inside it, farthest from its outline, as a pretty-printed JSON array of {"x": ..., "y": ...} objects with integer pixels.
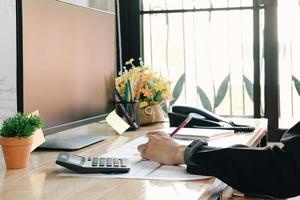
[{"x": 183, "y": 123}]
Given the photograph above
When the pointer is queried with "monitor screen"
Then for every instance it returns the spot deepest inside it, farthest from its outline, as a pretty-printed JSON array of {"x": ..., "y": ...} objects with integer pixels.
[{"x": 68, "y": 63}]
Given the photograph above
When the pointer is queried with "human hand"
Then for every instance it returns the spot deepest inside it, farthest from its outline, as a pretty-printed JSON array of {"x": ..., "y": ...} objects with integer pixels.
[{"x": 162, "y": 148}]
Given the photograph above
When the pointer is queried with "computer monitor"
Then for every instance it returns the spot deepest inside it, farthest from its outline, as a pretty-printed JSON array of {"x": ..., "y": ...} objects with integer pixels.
[{"x": 66, "y": 64}]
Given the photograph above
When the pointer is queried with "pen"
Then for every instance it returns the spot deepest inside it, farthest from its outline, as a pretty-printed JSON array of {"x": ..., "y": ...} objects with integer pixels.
[
  {"x": 119, "y": 95},
  {"x": 129, "y": 119},
  {"x": 129, "y": 98},
  {"x": 183, "y": 123}
]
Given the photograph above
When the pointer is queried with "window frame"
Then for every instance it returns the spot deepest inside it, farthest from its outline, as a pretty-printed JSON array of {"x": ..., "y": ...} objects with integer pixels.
[{"x": 132, "y": 12}]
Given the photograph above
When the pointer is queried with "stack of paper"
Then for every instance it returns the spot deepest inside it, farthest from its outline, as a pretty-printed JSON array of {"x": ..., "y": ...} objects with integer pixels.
[{"x": 196, "y": 133}]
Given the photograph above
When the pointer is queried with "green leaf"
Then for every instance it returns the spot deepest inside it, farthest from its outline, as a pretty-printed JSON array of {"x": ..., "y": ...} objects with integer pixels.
[
  {"x": 249, "y": 87},
  {"x": 164, "y": 107},
  {"x": 20, "y": 125},
  {"x": 222, "y": 91},
  {"x": 204, "y": 99},
  {"x": 157, "y": 97},
  {"x": 297, "y": 84},
  {"x": 178, "y": 89}
]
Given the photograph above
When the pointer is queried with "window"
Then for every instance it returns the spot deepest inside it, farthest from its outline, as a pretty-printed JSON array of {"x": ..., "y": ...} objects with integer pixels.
[
  {"x": 289, "y": 60},
  {"x": 206, "y": 48},
  {"x": 235, "y": 58}
]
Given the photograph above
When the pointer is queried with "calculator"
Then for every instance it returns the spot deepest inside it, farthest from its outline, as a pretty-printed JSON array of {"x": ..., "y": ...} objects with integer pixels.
[{"x": 82, "y": 164}]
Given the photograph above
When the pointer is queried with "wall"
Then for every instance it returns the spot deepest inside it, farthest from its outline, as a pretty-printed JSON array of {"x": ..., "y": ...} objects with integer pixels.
[{"x": 7, "y": 58}]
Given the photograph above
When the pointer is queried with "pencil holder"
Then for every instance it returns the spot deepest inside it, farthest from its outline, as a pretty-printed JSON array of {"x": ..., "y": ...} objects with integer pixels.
[{"x": 130, "y": 112}]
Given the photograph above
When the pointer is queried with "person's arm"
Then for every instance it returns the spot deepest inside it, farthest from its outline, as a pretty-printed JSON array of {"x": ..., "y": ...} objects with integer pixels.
[
  {"x": 267, "y": 171},
  {"x": 264, "y": 171},
  {"x": 261, "y": 171}
]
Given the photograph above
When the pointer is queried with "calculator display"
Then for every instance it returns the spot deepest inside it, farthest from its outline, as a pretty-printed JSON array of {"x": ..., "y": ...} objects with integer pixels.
[{"x": 74, "y": 159}]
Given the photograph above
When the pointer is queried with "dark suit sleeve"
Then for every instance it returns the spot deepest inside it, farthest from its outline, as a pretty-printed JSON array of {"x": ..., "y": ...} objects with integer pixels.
[{"x": 269, "y": 171}]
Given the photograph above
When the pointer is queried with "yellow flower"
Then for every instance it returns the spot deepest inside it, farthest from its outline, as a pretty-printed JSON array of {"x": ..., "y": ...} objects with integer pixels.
[
  {"x": 159, "y": 86},
  {"x": 129, "y": 62},
  {"x": 143, "y": 104},
  {"x": 146, "y": 78},
  {"x": 153, "y": 88},
  {"x": 168, "y": 96}
]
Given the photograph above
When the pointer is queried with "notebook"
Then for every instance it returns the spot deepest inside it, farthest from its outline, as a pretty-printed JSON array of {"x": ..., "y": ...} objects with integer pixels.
[{"x": 197, "y": 133}]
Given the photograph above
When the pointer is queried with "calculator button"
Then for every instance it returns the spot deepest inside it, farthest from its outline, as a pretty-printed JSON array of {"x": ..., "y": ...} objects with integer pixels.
[
  {"x": 123, "y": 163},
  {"x": 95, "y": 162},
  {"x": 109, "y": 162}
]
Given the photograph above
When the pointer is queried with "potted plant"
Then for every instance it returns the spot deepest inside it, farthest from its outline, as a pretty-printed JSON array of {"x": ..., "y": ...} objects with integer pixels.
[
  {"x": 150, "y": 88},
  {"x": 16, "y": 139}
]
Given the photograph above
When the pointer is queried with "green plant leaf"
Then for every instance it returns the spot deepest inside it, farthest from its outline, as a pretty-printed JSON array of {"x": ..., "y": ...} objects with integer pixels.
[
  {"x": 204, "y": 99},
  {"x": 178, "y": 89},
  {"x": 249, "y": 87},
  {"x": 297, "y": 84},
  {"x": 222, "y": 91},
  {"x": 20, "y": 125},
  {"x": 164, "y": 107}
]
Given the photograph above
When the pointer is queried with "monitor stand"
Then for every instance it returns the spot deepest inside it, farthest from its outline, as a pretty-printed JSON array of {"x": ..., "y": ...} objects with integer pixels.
[
  {"x": 70, "y": 142},
  {"x": 74, "y": 138}
]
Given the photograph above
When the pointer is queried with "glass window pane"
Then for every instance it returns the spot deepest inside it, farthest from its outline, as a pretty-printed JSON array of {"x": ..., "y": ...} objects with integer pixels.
[
  {"x": 214, "y": 52},
  {"x": 289, "y": 60},
  {"x": 162, "y": 4},
  {"x": 262, "y": 62},
  {"x": 190, "y": 4}
]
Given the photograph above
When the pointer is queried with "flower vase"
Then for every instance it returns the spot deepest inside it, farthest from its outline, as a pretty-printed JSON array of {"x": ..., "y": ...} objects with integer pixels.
[{"x": 151, "y": 114}]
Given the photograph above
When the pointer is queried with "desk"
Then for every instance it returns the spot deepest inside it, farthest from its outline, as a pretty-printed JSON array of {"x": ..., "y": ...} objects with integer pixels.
[{"x": 40, "y": 180}]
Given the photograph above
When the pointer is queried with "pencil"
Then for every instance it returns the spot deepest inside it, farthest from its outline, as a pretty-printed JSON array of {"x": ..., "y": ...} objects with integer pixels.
[
  {"x": 132, "y": 87},
  {"x": 183, "y": 123},
  {"x": 139, "y": 86}
]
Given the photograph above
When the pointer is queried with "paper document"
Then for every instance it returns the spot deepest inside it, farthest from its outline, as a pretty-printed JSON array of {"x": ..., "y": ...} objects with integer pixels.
[
  {"x": 197, "y": 133},
  {"x": 140, "y": 168},
  {"x": 223, "y": 142}
]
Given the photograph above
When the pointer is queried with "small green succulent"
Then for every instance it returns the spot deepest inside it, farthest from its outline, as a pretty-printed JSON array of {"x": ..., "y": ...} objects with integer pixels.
[{"x": 20, "y": 125}]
